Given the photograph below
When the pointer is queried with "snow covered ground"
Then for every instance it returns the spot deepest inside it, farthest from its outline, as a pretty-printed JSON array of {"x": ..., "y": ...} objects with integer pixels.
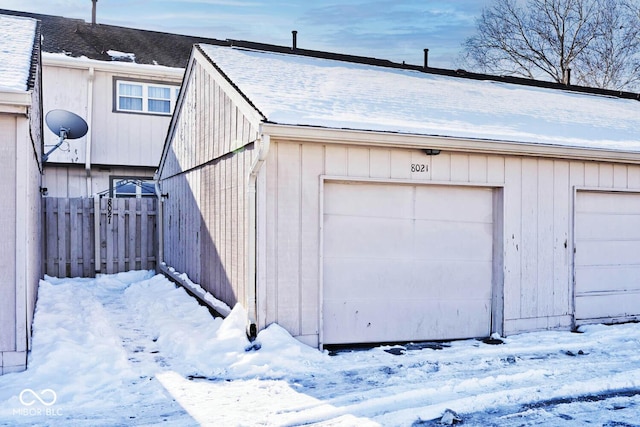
[{"x": 132, "y": 349}]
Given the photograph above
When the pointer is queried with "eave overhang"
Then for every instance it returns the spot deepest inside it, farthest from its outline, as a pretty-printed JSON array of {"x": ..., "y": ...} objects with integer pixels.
[{"x": 296, "y": 133}]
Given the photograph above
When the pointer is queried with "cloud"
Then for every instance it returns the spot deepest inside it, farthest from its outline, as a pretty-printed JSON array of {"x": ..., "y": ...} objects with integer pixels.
[
  {"x": 389, "y": 29},
  {"x": 395, "y": 30}
]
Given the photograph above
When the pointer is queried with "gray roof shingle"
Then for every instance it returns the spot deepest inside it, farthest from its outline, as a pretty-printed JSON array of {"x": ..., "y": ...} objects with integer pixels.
[{"x": 77, "y": 38}]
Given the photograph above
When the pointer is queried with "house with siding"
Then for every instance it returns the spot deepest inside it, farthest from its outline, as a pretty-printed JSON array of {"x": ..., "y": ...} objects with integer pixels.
[
  {"x": 353, "y": 200},
  {"x": 124, "y": 83},
  {"x": 21, "y": 172}
]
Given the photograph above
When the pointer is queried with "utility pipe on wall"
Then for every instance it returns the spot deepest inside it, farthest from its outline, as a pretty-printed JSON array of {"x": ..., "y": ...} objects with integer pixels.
[
  {"x": 252, "y": 304},
  {"x": 159, "y": 218},
  {"x": 87, "y": 167},
  {"x": 87, "y": 153}
]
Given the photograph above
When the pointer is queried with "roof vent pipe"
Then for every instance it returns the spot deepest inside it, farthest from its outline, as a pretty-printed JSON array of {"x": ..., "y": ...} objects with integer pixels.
[
  {"x": 566, "y": 76},
  {"x": 426, "y": 58},
  {"x": 294, "y": 33},
  {"x": 93, "y": 12}
]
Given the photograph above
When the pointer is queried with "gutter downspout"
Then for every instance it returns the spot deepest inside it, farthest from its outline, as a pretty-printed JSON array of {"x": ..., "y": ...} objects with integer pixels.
[
  {"x": 87, "y": 167},
  {"x": 87, "y": 157},
  {"x": 264, "y": 141},
  {"x": 159, "y": 219}
]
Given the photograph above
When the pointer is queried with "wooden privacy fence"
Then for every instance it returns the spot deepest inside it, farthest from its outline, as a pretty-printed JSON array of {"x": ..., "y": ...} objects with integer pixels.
[{"x": 127, "y": 235}]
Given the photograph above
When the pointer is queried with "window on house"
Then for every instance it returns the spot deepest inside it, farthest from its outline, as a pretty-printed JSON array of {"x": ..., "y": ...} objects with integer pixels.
[
  {"x": 145, "y": 97},
  {"x": 132, "y": 187}
]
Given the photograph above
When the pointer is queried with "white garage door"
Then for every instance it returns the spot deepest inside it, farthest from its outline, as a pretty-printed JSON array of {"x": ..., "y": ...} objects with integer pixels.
[
  {"x": 607, "y": 258},
  {"x": 406, "y": 262}
]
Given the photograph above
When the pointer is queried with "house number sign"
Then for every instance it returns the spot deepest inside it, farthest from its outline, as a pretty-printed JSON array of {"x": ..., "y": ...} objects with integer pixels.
[{"x": 419, "y": 167}]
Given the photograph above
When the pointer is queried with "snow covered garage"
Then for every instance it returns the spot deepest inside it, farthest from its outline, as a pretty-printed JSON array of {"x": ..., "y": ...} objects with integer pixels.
[{"x": 354, "y": 200}]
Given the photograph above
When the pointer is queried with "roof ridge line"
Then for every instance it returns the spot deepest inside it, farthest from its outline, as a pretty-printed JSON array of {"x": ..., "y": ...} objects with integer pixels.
[{"x": 460, "y": 73}]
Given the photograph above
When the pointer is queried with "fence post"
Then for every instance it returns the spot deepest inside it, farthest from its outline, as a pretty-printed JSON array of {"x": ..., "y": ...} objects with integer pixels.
[{"x": 96, "y": 231}]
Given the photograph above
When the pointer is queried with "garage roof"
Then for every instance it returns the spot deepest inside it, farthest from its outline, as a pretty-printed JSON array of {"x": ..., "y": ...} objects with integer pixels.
[
  {"x": 17, "y": 55},
  {"x": 292, "y": 89}
]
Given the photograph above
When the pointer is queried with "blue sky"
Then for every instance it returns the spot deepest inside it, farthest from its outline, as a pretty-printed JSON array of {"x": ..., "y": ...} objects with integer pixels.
[{"x": 388, "y": 29}]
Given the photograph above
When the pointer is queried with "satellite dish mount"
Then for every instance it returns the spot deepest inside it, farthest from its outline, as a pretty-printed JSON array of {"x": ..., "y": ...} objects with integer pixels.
[{"x": 66, "y": 125}]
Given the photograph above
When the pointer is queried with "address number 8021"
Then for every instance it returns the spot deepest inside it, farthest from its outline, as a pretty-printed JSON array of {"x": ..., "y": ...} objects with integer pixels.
[{"x": 419, "y": 167}]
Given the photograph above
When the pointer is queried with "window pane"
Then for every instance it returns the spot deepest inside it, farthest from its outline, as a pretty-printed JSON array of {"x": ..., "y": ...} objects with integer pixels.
[
  {"x": 133, "y": 187},
  {"x": 146, "y": 97},
  {"x": 134, "y": 104},
  {"x": 125, "y": 189},
  {"x": 159, "y": 106},
  {"x": 127, "y": 89},
  {"x": 159, "y": 92},
  {"x": 148, "y": 188}
]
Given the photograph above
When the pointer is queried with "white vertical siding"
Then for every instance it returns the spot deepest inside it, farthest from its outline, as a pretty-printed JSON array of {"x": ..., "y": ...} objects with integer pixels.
[
  {"x": 8, "y": 134},
  {"x": 512, "y": 237},
  {"x": 312, "y": 166},
  {"x": 536, "y": 224},
  {"x": 124, "y": 139},
  {"x": 21, "y": 240},
  {"x": 561, "y": 259},
  {"x": 204, "y": 175},
  {"x": 288, "y": 217}
]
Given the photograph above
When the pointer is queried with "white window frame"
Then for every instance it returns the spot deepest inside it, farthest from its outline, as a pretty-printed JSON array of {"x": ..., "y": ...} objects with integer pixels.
[
  {"x": 137, "y": 181},
  {"x": 145, "y": 85}
]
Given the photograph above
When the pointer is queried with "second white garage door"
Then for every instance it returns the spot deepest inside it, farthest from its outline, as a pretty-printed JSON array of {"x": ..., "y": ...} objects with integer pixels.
[
  {"x": 607, "y": 259},
  {"x": 406, "y": 262}
]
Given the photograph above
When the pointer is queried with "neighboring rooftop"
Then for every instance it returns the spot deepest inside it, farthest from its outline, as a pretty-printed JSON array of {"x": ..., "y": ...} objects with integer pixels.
[
  {"x": 18, "y": 53},
  {"x": 303, "y": 90},
  {"x": 77, "y": 38}
]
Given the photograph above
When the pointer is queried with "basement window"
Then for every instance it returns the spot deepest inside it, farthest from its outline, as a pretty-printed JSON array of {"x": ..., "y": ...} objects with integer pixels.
[{"x": 144, "y": 97}]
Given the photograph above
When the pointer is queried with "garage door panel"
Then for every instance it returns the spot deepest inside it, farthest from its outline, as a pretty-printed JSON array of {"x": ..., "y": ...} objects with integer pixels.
[
  {"x": 363, "y": 200},
  {"x": 608, "y": 226},
  {"x": 359, "y": 321},
  {"x": 453, "y": 240},
  {"x": 607, "y": 256},
  {"x": 370, "y": 237},
  {"x": 412, "y": 272},
  {"x": 365, "y": 275},
  {"x": 451, "y": 279},
  {"x": 451, "y": 204},
  {"x": 607, "y": 252},
  {"x": 407, "y": 278},
  {"x": 613, "y": 305},
  {"x": 604, "y": 202},
  {"x": 605, "y": 279}
]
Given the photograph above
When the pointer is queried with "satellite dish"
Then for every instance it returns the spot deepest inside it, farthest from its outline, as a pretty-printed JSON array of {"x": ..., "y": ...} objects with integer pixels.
[
  {"x": 71, "y": 124},
  {"x": 66, "y": 125}
]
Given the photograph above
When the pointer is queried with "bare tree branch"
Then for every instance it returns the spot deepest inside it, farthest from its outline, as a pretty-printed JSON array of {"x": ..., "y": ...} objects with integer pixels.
[{"x": 598, "y": 39}]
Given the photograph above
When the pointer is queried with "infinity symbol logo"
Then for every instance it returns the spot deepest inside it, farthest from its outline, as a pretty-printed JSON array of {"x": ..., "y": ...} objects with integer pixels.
[{"x": 28, "y": 401}]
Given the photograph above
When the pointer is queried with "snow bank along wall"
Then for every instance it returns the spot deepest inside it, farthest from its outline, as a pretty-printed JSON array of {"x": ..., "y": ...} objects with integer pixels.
[{"x": 365, "y": 237}]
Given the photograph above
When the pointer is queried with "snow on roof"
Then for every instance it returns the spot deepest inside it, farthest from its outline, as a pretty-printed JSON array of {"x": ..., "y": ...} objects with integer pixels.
[
  {"x": 299, "y": 90},
  {"x": 121, "y": 56},
  {"x": 16, "y": 50}
]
